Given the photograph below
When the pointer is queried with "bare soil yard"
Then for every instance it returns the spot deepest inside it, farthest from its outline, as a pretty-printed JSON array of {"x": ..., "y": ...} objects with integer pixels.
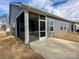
[
  {"x": 69, "y": 36},
  {"x": 13, "y": 48}
]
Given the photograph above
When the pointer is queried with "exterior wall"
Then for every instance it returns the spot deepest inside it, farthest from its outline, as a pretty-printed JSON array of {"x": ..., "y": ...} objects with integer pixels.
[
  {"x": 57, "y": 24},
  {"x": 14, "y": 12},
  {"x": 73, "y": 26},
  {"x": 50, "y": 33},
  {"x": 57, "y": 27},
  {"x": 76, "y": 26},
  {"x": 66, "y": 26}
]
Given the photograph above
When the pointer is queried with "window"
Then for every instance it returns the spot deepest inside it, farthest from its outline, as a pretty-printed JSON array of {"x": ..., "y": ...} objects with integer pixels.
[
  {"x": 64, "y": 28},
  {"x": 42, "y": 34},
  {"x": 51, "y": 25},
  {"x": 42, "y": 26},
  {"x": 51, "y": 28},
  {"x": 72, "y": 29},
  {"x": 61, "y": 28}
]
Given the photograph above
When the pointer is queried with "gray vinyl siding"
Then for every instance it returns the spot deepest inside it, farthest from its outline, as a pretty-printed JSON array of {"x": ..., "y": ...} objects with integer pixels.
[
  {"x": 66, "y": 25},
  {"x": 57, "y": 30},
  {"x": 14, "y": 11},
  {"x": 57, "y": 24},
  {"x": 50, "y": 33}
]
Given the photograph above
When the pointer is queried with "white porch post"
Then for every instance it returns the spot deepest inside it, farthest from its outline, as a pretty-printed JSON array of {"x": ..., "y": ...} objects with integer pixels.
[
  {"x": 46, "y": 27},
  {"x": 16, "y": 27},
  {"x": 39, "y": 26},
  {"x": 26, "y": 18}
]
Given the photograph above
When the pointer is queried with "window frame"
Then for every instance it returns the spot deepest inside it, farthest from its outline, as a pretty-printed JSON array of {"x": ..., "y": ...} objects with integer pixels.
[
  {"x": 51, "y": 25},
  {"x": 65, "y": 28},
  {"x": 61, "y": 27}
]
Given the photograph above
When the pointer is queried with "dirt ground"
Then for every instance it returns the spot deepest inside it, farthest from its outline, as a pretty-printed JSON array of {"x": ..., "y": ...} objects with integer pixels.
[
  {"x": 69, "y": 36},
  {"x": 13, "y": 48}
]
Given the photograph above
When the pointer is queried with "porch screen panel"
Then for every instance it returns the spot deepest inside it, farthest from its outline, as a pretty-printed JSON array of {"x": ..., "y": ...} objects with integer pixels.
[{"x": 33, "y": 27}]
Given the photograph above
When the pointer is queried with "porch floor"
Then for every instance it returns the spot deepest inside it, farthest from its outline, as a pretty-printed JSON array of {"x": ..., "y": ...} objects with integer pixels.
[{"x": 55, "y": 48}]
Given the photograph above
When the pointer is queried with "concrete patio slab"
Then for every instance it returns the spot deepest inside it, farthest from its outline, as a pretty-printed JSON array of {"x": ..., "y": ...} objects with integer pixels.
[{"x": 55, "y": 48}]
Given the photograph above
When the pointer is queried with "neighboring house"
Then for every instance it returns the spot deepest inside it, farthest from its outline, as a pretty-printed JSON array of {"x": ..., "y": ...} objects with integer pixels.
[
  {"x": 4, "y": 20},
  {"x": 0, "y": 26},
  {"x": 32, "y": 24},
  {"x": 76, "y": 27}
]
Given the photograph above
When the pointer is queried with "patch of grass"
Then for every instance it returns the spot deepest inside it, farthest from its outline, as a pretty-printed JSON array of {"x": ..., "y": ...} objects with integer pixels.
[
  {"x": 12, "y": 47},
  {"x": 69, "y": 36}
]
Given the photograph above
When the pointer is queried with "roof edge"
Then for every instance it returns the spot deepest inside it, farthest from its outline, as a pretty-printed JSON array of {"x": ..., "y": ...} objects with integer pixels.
[{"x": 46, "y": 13}]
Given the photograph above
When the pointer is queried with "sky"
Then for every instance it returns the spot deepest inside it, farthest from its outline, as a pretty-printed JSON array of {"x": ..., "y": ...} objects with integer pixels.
[
  {"x": 70, "y": 10},
  {"x": 44, "y": 4},
  {"x": 65, "y": 8}
]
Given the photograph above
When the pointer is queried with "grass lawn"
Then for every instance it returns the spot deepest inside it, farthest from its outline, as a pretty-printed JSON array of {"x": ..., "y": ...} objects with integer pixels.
[
  {"x": 13, "y": 48},
  {"x": 69, "y": 36}
]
